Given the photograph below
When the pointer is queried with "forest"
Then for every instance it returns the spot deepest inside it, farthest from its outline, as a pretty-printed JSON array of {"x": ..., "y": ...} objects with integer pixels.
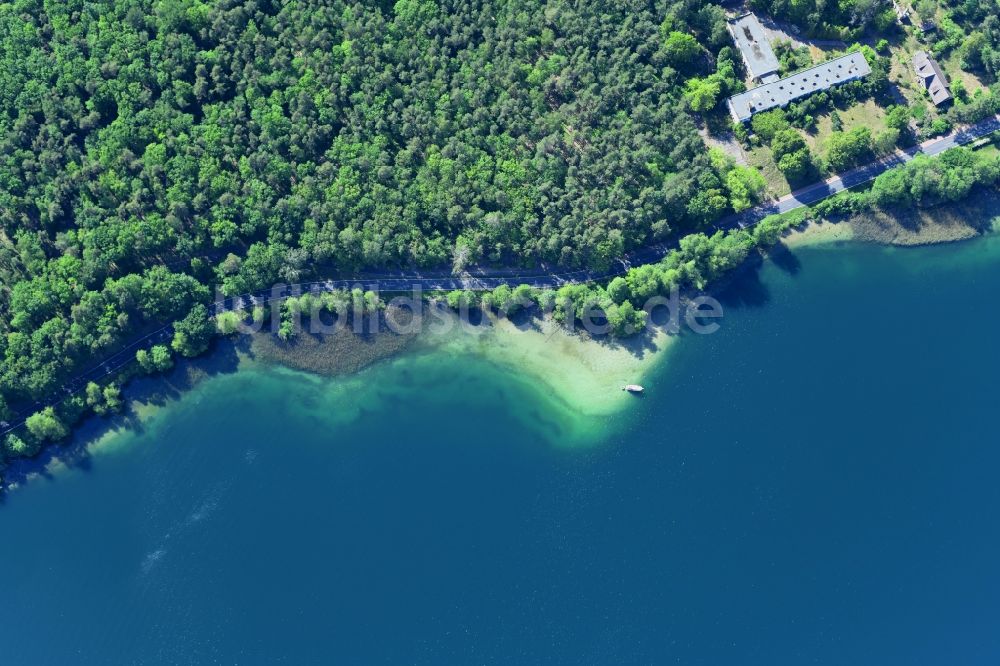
[{"x": 152, "y": 151}]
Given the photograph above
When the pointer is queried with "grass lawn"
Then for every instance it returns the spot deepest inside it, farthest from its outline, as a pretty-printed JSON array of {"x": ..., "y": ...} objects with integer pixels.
[
  {"x": 952, "y": 66},
  {"x": 989, "y": 150},
  {"x": 901, "y": 72},
  {"x": 864, "y": 114},
  {"x": 763, "y": 160}
]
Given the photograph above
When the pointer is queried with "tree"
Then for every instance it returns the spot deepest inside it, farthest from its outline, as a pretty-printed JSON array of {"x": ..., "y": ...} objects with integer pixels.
[
  {"x": 787, "y": 141},
  {"x": 766, "y": 125},
  {"x": 232, "y": 145},
  {"x": 260, "y": 270},
  {"x": 885, "y": 141},
  {"x": 373, "y": 302},
  {"x": 522, "y": 296},
  {"x": 112, "y": 397},
  {"x": 703, "y": 93},
  {"x": 847, "y": 149},
  {"x": 836, "y": 122},
  {"x": 287, "y": 329},
  {"x": 644, "y": 282},
  {"x": 46, "y": 426},
  {"x": 625, "y": 319},
  {"x": 790, "y": 58},
  {"x": 546, "y": 300},
  {"x": 928, "y": 181},
  {"x": 16, "y": 447},
  {"x": 681, "y": 49},
  {"x": 618, "y": 290},
  {"x": 193, "y": 333},
  {"x": 926, "y": 9},
  {"x": 892, "y": 188},
  {"x": 144, "y": 361},
  {"x": 157, "y": 359},
  {"x": 228, "y": 322},
  {"x": 792, "y": 156},
  {"x": 95, "y": 398},
  {"x": 103, "y": 400},
  {"x": 459, "y": 299},
  {"x": 797, "y": 167},
  {"x": 500, "y": 298},
  {"x": 768, "y": 231},
  {"x": 745, "y": 185},
  {"x": 707, "y": 205},
  {"x": 819, "y": 18},
  {"x": 898, "y": 118}
]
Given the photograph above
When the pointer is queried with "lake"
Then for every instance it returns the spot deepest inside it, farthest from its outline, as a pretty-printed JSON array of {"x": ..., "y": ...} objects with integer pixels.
[{"x": 815, "y": 483}]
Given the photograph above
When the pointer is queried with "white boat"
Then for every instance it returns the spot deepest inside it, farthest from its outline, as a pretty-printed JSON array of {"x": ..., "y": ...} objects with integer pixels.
[{"x": 632, "y": 388}]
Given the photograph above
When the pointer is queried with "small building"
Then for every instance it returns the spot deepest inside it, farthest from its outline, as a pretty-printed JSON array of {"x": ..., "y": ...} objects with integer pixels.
[
  {"x": 902, "y": 12},
  {"x": 931, "y": 77},
  {"x": 758, "y": 56},
  {"x": 780, "y": 93}
]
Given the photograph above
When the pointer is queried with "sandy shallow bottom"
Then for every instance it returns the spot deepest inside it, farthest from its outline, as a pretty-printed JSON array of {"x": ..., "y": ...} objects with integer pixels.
[
  {"x": 585, "y": 374},
  {"x": 573, "y": 381}
]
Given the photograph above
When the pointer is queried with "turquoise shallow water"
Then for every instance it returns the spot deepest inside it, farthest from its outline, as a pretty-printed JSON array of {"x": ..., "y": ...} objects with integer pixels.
[{"x": 816, "y": 483}]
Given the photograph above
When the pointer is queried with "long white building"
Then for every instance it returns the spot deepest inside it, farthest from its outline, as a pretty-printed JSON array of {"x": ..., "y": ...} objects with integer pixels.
[{"x": 780, "y": 93}]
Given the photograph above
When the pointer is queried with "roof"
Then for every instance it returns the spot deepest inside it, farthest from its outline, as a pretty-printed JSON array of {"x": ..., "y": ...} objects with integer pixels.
[
  {"x": 752, "y": 42},
  {"x": 801, "y": 84},
  {"x": 931, "y": 76}
]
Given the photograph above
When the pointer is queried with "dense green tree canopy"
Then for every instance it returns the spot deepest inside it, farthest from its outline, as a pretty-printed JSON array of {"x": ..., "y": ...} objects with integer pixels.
[
  {"x": 150, "y": 149},
  {"x": 46, "y": 426},
  {"x": 847, "y": 149},
  {"x": 193, "y": 333},
  {"x": 829, "y": 19},
  {"x": 157, "y": 359},
  {"x": 928, "y": 181}
]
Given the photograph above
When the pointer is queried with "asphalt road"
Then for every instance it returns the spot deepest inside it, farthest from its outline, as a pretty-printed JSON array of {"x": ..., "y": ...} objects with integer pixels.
[
  {"x": 817, "y": 191},
  {"x": 484, "y": 279}
]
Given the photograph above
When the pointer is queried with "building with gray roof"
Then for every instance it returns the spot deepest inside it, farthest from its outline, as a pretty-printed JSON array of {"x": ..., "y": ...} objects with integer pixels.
[
  {"x": 931, "y": 78},
  {"x": 750, "y": 39},
  {"x": 782, "y": 92}
]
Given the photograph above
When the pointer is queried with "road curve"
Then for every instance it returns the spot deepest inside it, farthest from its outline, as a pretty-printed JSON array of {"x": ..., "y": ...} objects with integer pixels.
[{"x": 485, "y": 279}]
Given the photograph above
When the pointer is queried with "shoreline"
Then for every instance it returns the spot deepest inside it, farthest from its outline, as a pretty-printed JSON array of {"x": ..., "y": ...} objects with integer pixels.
[
  {"x": 973, "y": 217},
  {"x": 581, "y": 375},
  {"x": 585, "y": 373},
  {"x": 578, "y": 379},
  {"x": 575, "y": 378},
  {"x": 143, "y": 399}
]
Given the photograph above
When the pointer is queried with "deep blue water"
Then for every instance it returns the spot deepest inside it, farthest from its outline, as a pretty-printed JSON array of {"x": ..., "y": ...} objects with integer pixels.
[{"x": 814, "y": 484}]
